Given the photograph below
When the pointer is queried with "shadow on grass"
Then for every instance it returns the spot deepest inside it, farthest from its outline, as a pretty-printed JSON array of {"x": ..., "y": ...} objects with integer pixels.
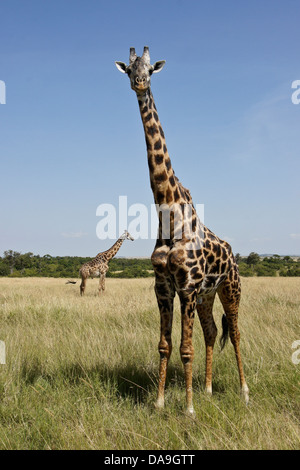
[
  {"x": 126, "y": 382},
  {"x": 121, "y": 381}
]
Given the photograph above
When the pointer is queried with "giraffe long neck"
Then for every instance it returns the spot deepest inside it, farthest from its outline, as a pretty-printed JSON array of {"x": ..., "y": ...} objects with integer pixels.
[
  {"x": 111, "y": 252},
  {"x": 164, "y": 184}
]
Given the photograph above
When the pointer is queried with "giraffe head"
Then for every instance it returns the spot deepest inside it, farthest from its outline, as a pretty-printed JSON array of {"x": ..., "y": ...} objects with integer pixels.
[
  {"x": 126, "y": 236},
  {"x": 140, "y": 70}
]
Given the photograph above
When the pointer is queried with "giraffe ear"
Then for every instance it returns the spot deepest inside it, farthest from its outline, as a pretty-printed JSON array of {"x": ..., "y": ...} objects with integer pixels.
[
  {"x": 121, "y": 66},
  {"x": 157, "y": 67}
]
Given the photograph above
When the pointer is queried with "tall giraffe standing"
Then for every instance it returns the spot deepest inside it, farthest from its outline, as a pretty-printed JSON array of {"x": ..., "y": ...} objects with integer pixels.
[
  {"x": 99, "y": 265},
  {"x": 196, "y": 264}
]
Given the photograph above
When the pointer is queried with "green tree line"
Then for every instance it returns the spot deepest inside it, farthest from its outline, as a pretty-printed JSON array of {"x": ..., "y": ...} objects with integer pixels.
[
  {"x": 275, "y": 265},
  {"x": 15, "y": 264}
]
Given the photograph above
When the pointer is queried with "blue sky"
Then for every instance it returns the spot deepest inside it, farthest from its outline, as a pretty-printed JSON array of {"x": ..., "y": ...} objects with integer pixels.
[{"x": 72, "y": 137}]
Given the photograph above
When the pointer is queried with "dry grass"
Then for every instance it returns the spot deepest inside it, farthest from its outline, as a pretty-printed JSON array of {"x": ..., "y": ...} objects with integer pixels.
[{"x": 81, "y": 373}]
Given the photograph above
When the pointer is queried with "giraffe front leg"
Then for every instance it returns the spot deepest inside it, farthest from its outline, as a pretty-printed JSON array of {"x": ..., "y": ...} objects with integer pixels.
[
  {"x": 188, "y": 305},
  {"x": 229, "y": 294},
  {"x": 235, "y": 339},
  {"x": 101, "y": 283},
  {"x": 165, "y": 304}
]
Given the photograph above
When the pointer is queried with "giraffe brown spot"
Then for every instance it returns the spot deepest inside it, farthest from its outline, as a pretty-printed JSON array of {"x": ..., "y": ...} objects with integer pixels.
[
  {"x": 223, "y": 267},
  {"x": 168, "y": 164},
  {"x": 161, "y": 177},
  {"x": 150, "y": 164},
  {"x": 157, "y": 145},
  {"x": 169, "y": 195},
  {"x": 172, "y": 181},
  {"x": 191, "y": 264},
  {"x": 152, "y": 130},
  {"x": 211, "y": 259},
  {"x": 224, "y": 254},
  {"x": 159, "y": 159},
  {"x": 208, "y": 244},
  {"x": 194, "y": 271},
  {"x": 156, "y": 118},
  {"x": 211, "y": 236},
  {"x": 210, "y": 281},
  {"x": 202, "y": 263},
  {"x": 165, "y": 148},
  {"x": 148, "y": 117},
  {"x": 217, "y": 249},
  {"x": 161, "y": 132},
  {"x": 160, "y": 197},
  {"x": 194, "y": 223},
  {"x": 145, "y": 109},
  {"x": 176, "y": 194}
]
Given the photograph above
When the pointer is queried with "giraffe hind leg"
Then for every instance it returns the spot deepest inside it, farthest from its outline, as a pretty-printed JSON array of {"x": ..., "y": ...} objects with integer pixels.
[
  {"x": 82, "y": 285},
  {"x": 204, "y": 310},
  {"x": 229, "y": 294}
]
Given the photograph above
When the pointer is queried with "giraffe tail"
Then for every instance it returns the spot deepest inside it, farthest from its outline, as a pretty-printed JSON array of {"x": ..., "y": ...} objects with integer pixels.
[{"x": 224, "y": 336}]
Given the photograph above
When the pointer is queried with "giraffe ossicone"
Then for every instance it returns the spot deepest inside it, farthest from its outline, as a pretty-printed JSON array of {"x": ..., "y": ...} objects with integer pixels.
[{"x": 195, "y": 266}]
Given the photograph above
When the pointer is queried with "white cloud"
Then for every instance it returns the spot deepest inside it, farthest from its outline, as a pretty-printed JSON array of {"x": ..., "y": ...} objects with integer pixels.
[
  {"x": 74, "y": 234},
  {"x": 260, "y": 239},
  {"x": 295, "y": 236}
]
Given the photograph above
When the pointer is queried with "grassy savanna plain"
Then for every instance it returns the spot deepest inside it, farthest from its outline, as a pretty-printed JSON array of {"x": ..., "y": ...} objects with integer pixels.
[{"x": 82, "y": 373}]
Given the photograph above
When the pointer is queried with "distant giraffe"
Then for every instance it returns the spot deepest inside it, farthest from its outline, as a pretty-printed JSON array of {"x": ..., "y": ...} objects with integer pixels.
[
  {"x": 196, "y": 264},
  {"x": 99, "y": 265}
]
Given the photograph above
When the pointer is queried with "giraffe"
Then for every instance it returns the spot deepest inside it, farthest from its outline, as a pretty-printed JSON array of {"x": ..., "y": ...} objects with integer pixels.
[
  {"x": 191, "y": 260},
  {"x": 99, "y": 265}
]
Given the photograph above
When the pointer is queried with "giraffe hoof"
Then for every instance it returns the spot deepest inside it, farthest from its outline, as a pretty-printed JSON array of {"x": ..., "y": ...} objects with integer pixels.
[
  {"x": 245, "y": 394},
  {"x": 159, "y": 404},
  {"x": 191, "y": 412}
]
